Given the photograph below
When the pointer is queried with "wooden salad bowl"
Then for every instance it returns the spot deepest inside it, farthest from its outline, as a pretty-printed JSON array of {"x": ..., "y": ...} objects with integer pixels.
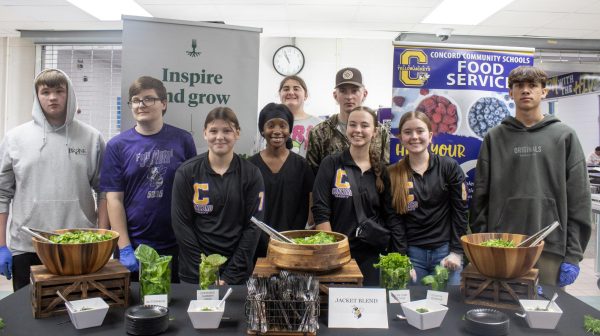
[
  {"x": 315, "y": 258},
  {"x": 501, "y": 262},
  {"x": 75, "y": 259}
]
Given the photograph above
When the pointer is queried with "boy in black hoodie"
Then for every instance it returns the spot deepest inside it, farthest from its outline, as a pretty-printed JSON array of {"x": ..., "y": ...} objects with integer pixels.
[{"x": 531, "y": 171}]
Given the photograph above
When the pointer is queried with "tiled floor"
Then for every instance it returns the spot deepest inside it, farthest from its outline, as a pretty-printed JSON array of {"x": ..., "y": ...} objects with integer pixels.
[{"x": 585, "y": 288}]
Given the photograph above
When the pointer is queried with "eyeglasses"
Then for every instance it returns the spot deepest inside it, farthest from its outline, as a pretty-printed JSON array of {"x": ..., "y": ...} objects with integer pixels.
[{"x": 148, "y": 101}]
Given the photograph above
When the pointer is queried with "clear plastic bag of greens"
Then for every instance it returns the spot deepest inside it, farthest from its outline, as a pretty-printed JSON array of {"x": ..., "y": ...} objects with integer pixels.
[
  {"x": 438, "y": 280},
  {"x": 208, "y": 272},
  {"x": 394, "y": 271},
  {"x": 155, "y": 272}
]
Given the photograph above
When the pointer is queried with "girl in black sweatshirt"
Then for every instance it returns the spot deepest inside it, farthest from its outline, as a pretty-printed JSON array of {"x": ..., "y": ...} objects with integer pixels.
[{"x": 333, "y": 204}]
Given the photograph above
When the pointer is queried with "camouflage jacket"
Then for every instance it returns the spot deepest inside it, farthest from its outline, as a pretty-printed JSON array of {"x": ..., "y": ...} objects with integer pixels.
[{"x": 325, "y": 139}]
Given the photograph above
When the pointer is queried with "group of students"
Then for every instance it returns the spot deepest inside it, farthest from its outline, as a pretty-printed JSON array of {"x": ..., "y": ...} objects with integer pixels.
[{"x": 158, "y": 192}]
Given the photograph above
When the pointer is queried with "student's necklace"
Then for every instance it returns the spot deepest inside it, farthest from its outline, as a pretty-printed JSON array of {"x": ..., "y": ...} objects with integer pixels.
[
  {"x": 419, "y": 170},
  {"x": 420, "y": 167}
]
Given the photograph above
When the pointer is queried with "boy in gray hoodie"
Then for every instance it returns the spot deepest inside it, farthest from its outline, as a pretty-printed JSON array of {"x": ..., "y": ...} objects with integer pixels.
[
  {"x": 531, "y": 171},
  {"x": 49, "y": 169}
]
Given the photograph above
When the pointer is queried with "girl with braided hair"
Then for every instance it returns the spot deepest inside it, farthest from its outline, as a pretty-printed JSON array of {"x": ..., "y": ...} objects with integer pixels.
[
  {"x": 429, "y": 194},
  {"x": 355, "y": 172}
]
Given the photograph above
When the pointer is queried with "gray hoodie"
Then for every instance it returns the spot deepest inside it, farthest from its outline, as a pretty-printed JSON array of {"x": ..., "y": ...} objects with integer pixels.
[
  {"x": 48, "y": 174},
  {"x": 528, "y": 177}
]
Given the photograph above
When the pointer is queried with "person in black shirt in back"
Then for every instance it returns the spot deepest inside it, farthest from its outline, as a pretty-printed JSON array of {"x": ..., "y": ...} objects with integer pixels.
[
  {"x": 429, "y": 192},
  {"x": 214, "y": 196},
  {"x": 287, "y": 176},
  {"x": 333, "y": 207}
]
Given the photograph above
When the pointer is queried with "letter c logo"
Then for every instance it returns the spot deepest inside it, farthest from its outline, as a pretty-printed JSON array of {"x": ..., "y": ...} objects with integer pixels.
[
  {"x": 341, "y": 179},
  {"x": 197, "y": 188}
]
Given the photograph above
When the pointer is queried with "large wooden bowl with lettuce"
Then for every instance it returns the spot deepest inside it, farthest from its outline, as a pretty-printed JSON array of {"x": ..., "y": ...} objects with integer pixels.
[
  {"x": 76, "y": 258},
  {"x": 309, "y": 257},
  {"x": 501, "y": 262}
]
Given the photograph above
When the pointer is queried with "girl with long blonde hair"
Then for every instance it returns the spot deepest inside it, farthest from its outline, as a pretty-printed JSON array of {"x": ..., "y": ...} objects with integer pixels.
[{"x": 429, "y": 194}]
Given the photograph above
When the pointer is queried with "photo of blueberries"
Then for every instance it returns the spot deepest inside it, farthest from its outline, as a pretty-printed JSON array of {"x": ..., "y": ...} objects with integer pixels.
[{"x": 486, "y": 113}]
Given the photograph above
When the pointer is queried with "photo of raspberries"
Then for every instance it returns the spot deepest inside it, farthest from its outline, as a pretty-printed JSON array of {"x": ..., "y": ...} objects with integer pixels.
[
  {"x": 399, "y": 100},
  {"x": 442, "y": 113}
]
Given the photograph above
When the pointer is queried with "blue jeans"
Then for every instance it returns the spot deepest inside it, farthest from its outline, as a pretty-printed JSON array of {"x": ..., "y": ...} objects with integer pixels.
[{"x": 424, "y": 262}]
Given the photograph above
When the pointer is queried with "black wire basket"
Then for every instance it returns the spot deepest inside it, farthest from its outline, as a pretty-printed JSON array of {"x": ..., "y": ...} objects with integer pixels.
[{"x": 299, "y": 317}]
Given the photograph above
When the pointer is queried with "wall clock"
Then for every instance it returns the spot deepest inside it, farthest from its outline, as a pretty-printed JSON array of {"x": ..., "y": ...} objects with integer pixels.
[{"x": 288, "y": 60}]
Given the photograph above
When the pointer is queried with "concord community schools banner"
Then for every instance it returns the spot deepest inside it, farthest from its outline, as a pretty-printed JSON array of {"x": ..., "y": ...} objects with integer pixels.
[
  {"x": 203, "y": 66},
  {"x": 462, "y": 88}
]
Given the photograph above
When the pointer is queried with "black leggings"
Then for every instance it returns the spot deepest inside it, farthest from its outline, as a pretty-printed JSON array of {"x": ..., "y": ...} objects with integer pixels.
[
  {"x": 21, "y": 271},
  {"x": 365, "y": 257}
]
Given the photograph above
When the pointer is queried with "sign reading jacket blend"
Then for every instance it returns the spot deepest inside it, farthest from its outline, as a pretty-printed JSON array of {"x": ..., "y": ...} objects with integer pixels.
[
  {"x": 463, "y": 89},
  {"x": 203, "y": 66}
]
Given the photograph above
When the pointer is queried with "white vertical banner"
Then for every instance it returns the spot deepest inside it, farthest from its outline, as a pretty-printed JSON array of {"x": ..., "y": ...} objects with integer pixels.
[{"x": 203, "y": 66}]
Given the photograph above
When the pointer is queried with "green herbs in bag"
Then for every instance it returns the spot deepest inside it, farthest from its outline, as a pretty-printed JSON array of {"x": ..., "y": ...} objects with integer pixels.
[
  {"x": 438, "y": 280},
  {"x": 209, "y": 269},
  {"x": 155, "y": 271},
  {"x": 395, "y": 270}
]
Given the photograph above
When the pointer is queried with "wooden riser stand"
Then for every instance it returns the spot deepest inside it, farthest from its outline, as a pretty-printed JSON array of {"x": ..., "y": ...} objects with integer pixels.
[
  {"x": 111, "y": 283},
  {"x": 348, "y": 275},
  {"x": 498, "y": 293}
]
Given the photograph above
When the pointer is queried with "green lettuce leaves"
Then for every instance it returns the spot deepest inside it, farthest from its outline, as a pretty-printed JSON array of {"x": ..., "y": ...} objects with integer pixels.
[
  {"x": 209, "y": 269},
  {"x": 155, "y": 273}
]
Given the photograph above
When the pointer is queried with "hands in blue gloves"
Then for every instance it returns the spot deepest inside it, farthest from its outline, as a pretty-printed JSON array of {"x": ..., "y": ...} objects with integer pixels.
[
  {"x": 568, "y": 274},
  {"x": 127, "y": 258},
  {"x": 5, "y": 262}
]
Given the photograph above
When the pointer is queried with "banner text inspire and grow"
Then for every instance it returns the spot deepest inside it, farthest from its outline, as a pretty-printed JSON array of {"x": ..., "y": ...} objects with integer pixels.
[{"x": 192, "y": 78}]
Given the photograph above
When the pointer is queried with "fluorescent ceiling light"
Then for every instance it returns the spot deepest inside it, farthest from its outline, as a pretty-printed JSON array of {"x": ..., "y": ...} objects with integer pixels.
[
  {"x": 110, "y": 10},
  {"x": 464, "y": 12}
]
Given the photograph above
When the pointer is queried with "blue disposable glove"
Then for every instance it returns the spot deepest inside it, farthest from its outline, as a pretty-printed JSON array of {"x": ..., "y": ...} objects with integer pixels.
[
  {"x": 540, "y": 291},
  {"x": 127, "y": 258},
  {"x": 5, "y": 262},
  {"x": 568, "y": 274}
]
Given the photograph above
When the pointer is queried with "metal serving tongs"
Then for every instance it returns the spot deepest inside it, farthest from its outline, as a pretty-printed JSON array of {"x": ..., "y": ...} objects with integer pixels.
[
  {"x": 36, "y": 235},
  {"x": 271, "y": 232},
  {"x": 539, "y": 236}
]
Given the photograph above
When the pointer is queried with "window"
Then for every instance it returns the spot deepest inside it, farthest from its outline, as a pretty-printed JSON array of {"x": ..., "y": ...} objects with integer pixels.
[{"x": 95, "y": 71}]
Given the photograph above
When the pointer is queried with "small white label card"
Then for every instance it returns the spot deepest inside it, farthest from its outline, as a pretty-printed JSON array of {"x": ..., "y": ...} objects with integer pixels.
[
  {"x": 399, "y": 296},
  {"x": 156, "y": 300},
  {"x": 437, "y": 296},
  {"x": 207, "y": 294},
  {"x": 358, "y": 308}
]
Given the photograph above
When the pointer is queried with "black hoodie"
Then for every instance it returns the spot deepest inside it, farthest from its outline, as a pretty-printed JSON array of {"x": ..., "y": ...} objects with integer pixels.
[{"x": 528, "y": 177}]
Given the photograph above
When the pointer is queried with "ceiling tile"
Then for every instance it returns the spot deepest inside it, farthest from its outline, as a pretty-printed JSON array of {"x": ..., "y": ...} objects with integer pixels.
[
  {"x": 384, "y": 26},
  {"x": 44, "y": 13},
  {"x": 522, "y": 19},
  {"x": 243, "y": 12},
  {"x": 322, "y": 13},
  {"x": 406, "y": 3},
  {"x": 561, "y": 6},
  {"x": 185, "y": 12},
  {"x": 591, "y": 9},
  {"x": 339, "y": 3},
  {"x": 330, "y": 18},
  {"x": 33, "y": 2},
  {"x": 392, "y": 14}
]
